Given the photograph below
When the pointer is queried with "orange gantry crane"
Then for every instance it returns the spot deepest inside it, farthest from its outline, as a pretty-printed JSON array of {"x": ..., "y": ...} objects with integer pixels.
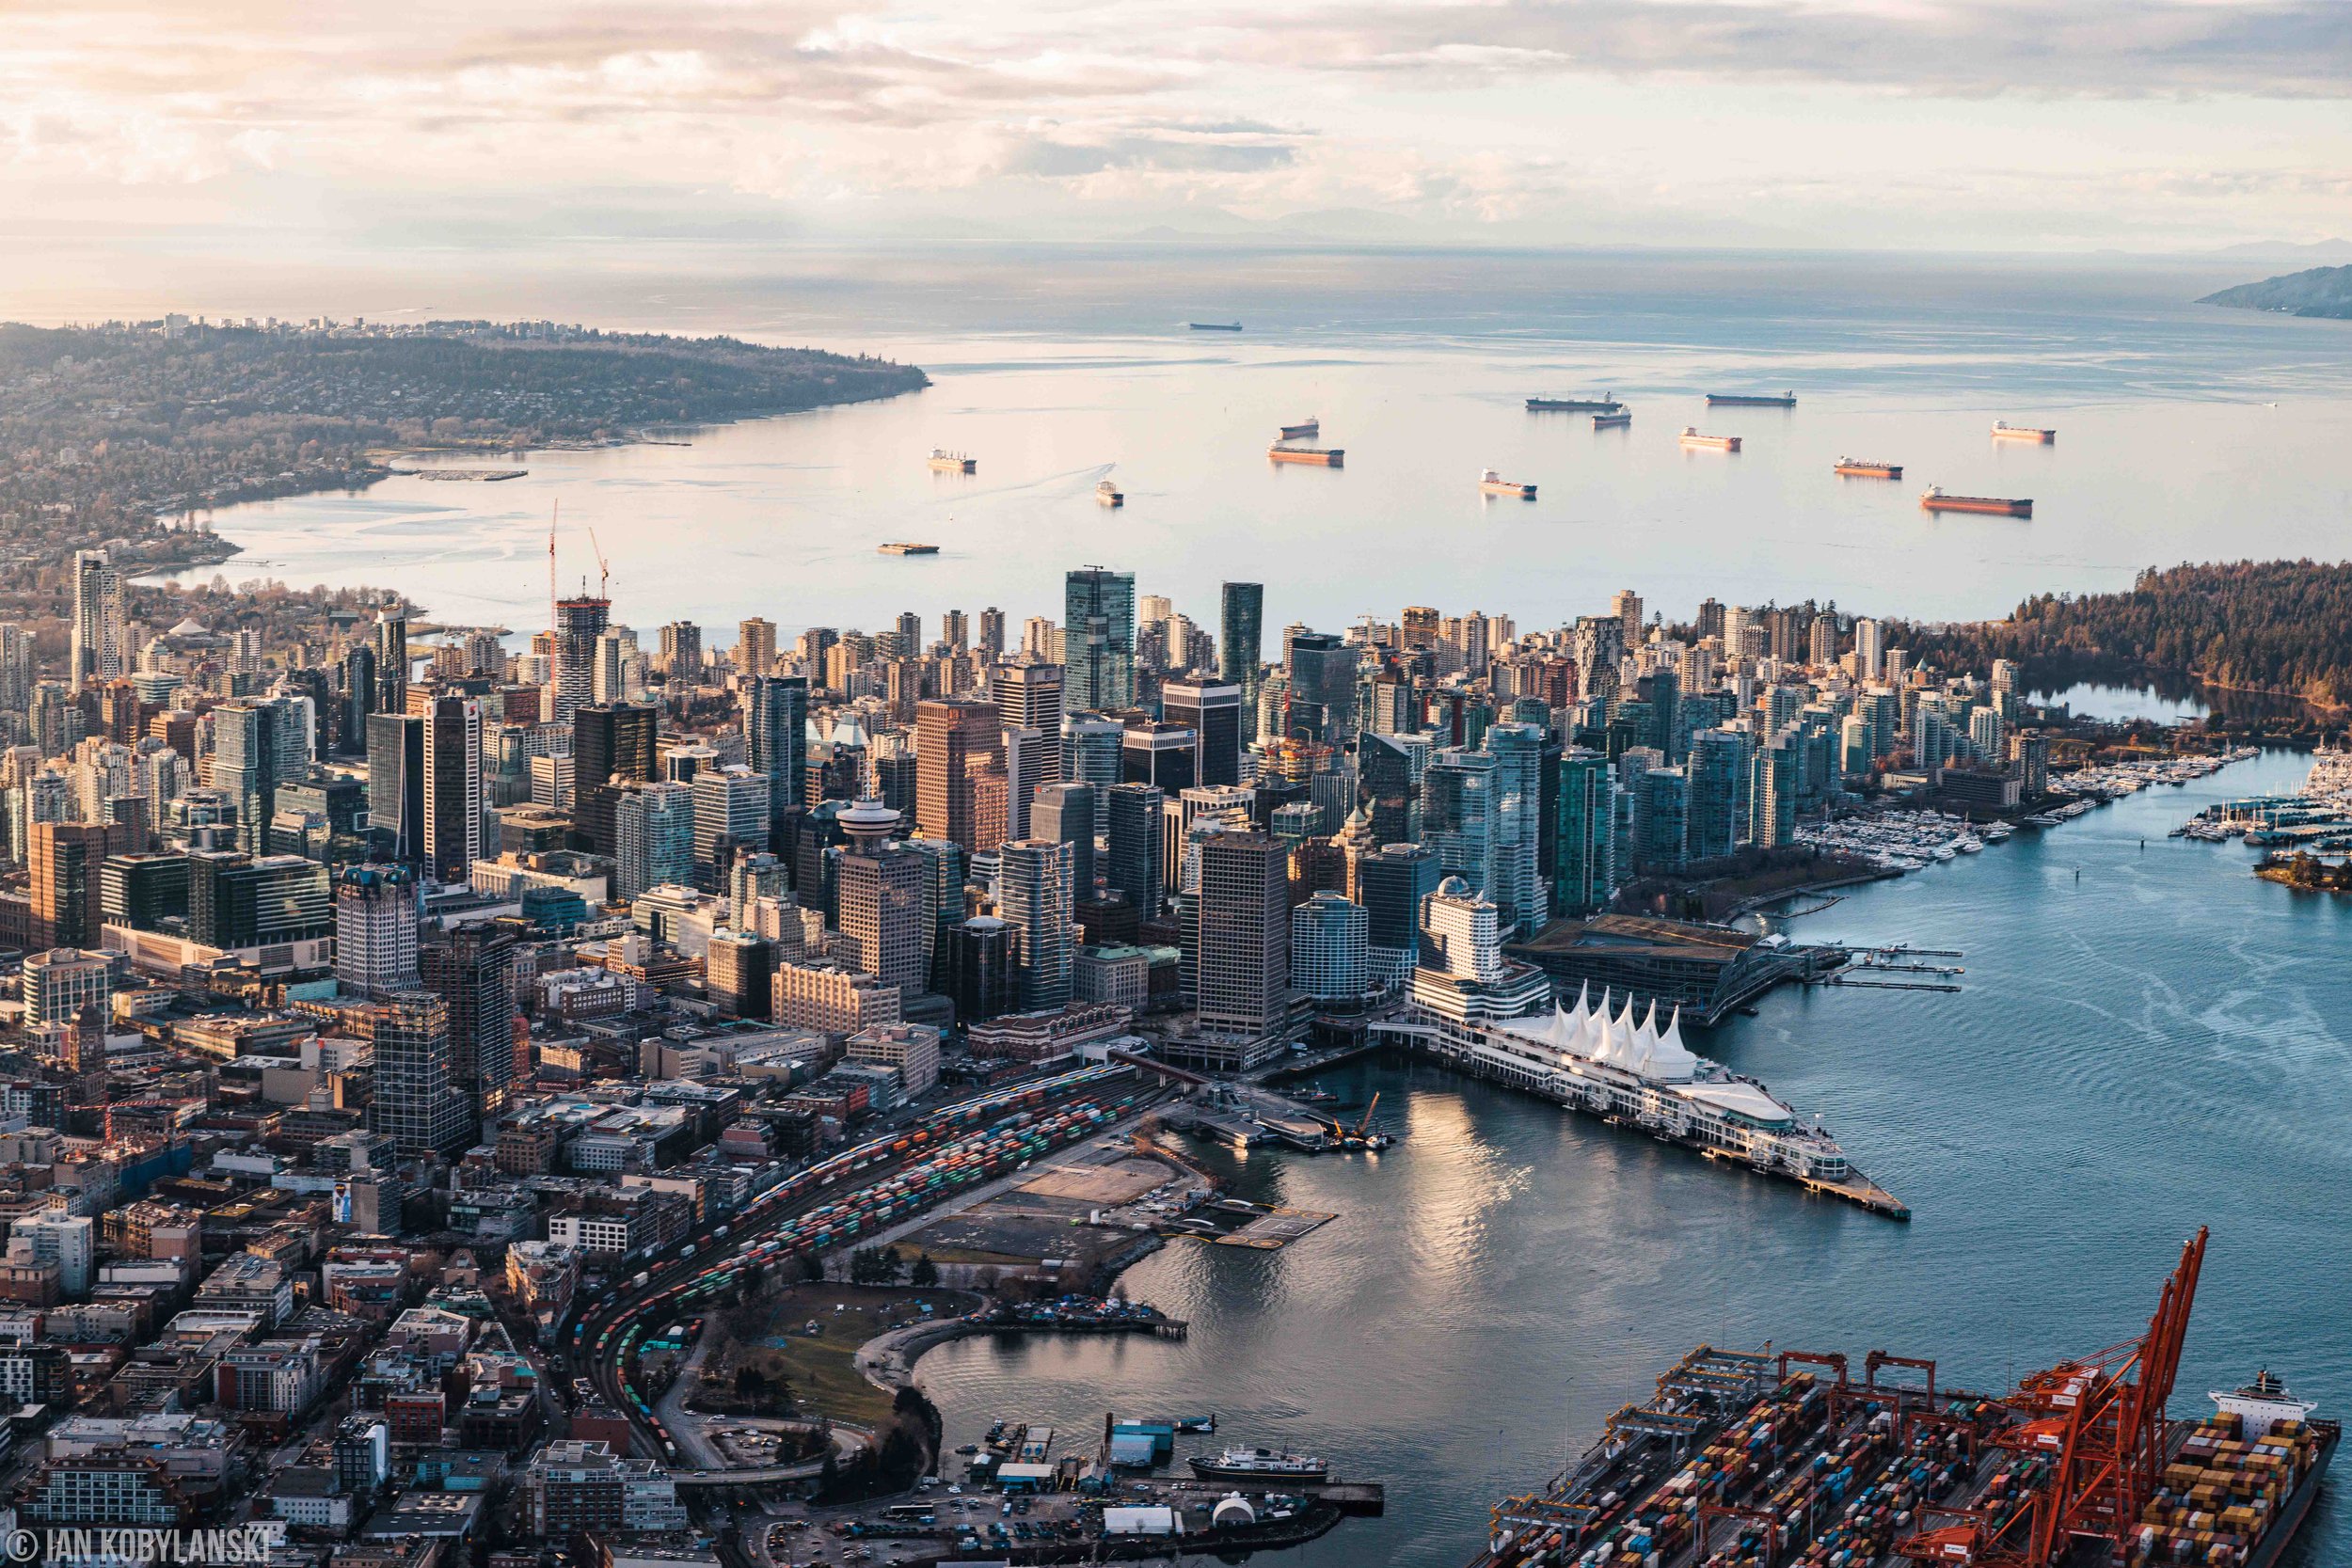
[{"x": 2100, "y": 1422}]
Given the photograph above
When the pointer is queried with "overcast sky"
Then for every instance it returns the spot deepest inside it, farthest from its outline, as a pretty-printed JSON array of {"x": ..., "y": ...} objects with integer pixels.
[{"x": 2066, "y": 124}]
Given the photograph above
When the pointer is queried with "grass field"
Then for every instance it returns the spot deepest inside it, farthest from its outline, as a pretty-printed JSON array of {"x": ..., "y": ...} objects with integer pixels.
[{"x": 822, "y": 1367}]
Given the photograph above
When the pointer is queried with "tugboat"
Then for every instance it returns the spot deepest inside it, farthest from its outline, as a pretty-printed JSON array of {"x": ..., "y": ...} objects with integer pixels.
[{"x": 1239, "y": 1464}]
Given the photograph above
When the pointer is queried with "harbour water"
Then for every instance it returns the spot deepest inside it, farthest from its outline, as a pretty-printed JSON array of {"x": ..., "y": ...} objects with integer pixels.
[
  {"x": 2156, "y": 1046},
  {"x": 2185, "y": 433}
]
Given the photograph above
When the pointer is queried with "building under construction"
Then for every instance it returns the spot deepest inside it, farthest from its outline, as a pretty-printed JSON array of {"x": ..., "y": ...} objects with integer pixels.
[{"x": 1744, "y": 1460}]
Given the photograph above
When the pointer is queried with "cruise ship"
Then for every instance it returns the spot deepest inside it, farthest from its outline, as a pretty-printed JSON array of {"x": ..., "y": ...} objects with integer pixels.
[{"x": 1625, "y": 1069}]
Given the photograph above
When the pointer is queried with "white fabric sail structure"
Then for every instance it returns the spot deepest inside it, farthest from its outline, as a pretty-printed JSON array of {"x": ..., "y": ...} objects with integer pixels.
[{"x": 1614, "y": 1039}]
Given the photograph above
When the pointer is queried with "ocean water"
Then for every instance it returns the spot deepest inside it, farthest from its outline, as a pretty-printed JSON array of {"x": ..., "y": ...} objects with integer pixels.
[
  {"x": 2185, "y": 433},
  {"x": 2156, "y": 1046}
]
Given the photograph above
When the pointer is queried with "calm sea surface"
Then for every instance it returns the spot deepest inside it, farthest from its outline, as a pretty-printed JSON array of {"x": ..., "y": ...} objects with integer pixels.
[
  {"x": 2185, "y": 433},
  {"x": 2157, "y": 1046}
]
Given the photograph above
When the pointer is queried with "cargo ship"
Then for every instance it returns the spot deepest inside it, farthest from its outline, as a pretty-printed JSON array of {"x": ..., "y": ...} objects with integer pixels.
[
  {"x": 1692, "y": 440},
  {"x": 1109, "y": 493},
  {"x": 1863, "y": 469},
  {"x": 1601, "y": 404},
  {"x": 1305, "y": 431},
  {"x": 902, "y": 547},
  {"x": 1808, "y": 1458},
  {"x": 2004, "y": 431},
  {"x": 1215, "y": 326},
  {"x": 1238, "y": 1464},
  {"x": 947, "y": 462},
  {"x": 1612, "y": 422},
  {"x": 1751, "y": 400},
  {"x": 1619, "y": 1066},
  {"x": 1991, "y": 506},
  {"x": 1493, "y": 483},
  {"x": 1314, "y": 458}
]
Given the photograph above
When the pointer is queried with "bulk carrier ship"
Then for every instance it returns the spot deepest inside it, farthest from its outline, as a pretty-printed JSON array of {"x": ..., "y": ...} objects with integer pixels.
[
  {"x": 1862, "y": 468},
  {"x": 945, "y": 461},
  {"x": 1754, "y": 1460},
  {"x": 1492, "y": 483},
  {"x": 1991, "y": 506},
  {"x": 1692, "y": 440},
  {"x": 2004, "y": 431},
  {"x": 1751, "y": 400},
  {"x": 1601, "y": 404},
  {"x": 1314, "y": 458}
]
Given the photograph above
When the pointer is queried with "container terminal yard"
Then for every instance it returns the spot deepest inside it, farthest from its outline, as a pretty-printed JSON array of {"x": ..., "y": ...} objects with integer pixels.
[{"x": 1747, "y": 1460}]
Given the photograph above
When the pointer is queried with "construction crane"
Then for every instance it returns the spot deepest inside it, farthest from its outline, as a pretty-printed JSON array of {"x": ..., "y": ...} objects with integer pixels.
[
  {"x": 604, "y": 571},
  {"x": 2100, "y": 1421}
]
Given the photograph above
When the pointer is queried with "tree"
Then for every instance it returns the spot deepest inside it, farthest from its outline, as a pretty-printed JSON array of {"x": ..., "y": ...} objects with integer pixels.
[
  {"x": 925, "y": 1273},
  {"x": 812, "y": 1267}
]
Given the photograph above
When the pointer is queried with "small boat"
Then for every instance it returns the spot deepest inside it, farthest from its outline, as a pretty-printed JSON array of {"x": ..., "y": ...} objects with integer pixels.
[
  {"x": 1215, "y": 326},
  {"x": 1239, "y": 1464},
  {"x": 2004, "y": 431},
  {"x": 947, "y": 462},
  {"x": 1196, "y": 1424},
  {"x": 1305, "y": 431},
  {"x": 1601, "y": 404},
  {"x": 1109, "y": 493},
  {"x": 1617, "y": 420},
  {"x": 1692, "y": 440},
  {"x": 901, "y": 546},
  {"x": 1493, "y": 483},
  {"x": 1751, "y": 400},
  {"x": 968, "y": 1449},
  {"x": 1861, "y": 468}
]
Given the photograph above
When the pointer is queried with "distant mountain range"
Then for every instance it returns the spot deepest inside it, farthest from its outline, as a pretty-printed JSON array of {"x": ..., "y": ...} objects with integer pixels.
[{"x": 2318, "y": 292}]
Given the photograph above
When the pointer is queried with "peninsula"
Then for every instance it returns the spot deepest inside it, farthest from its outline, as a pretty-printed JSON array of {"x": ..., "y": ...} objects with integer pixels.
[{"x": 2316, "y": 291}]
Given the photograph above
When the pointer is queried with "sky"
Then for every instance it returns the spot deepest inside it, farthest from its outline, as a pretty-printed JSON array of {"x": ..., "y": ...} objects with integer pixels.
[{"x": 326, "y": 126}]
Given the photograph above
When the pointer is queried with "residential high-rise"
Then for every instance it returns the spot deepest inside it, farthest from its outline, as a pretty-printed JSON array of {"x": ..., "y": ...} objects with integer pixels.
[
  {"x": 65, "y": 1240},
  {"x": 681, "y": 651},
  {"x": 1212, "y": 711},
  {"x": 1028, "y": 696},
  {"x": 775, "y": 737},
  {"x": 1132, "y": 863},
  {"x": 57, "y": 985},
  {"x": 1773, "y": 793},
  {"x": 1240, "y": 646},
  {"x": 452, "y": 788},
  {"x": 1457, "y": 815},
  {"x": 879, "y": 893},
  {"x": 992, "y": 638},
  {"x": 1331, "y": 956},
  {"x": 244, "y": 766},
  {"x": 396, "y": 785},
  {"x": 653, "y": 836},
  {"x": 392, "y": 662},
  {"x": 414, "y": 1104},
  {"x": 955, "y": 630},
  {"x": 578, "y": 622},
  {"x": 1098, "y": 632},
  {"x": 755, "y": 647},
  {"x": 1033, "y": 881},
  {"x": 612, "y": 746},
  {"x": 1520, "y": 887},
  {"x": 1719, "y": 780},
  {"x": 101, "y": 622},
  {"x": 1237, "y": 931},
  {"x": 1584, "y": 875},
  {"x": 357, "y": 674},
  {"x": 1066, "y": 812},
  {"x": 955, "y": 738},
  {"x": 471, "y": 969},
  {"x": 376, "y": 915}
]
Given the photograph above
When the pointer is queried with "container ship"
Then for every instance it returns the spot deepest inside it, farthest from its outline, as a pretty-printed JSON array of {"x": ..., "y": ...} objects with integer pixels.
[
  {"x": 1215, "y": 326},
  {"x": 1306, "y": 429},
  {"x": 1862, "y": 469},
  {"x": 1493, "y": 483},
  {"x": 1624, "y": 1069},
  {"x": 1237, "y": 1464},
  {"x": 1601, "y": 404},
  {"x": 1109, "y": 493},
  {"x": 1774, "y": 1461},
  {"x": 1692, "y": 440},
  {"x": 1617, "y": 420},
  {"x": 947, "y": 462},
  {"x": 2004, "y": 431},
  {"x": 1751, "y": 400},
  {"x": 901, "y": 547},
  {"x": 1314, "y": 458},
  {"x": 1991, "y": 506}
]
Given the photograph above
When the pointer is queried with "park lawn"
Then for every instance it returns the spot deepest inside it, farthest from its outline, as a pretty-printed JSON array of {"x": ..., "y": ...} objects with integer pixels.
[{"x": 822, "y": 1367}]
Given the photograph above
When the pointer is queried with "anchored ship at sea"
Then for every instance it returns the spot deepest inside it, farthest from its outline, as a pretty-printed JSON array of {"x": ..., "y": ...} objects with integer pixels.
[
  {"x": 2004, "y": 431},
  {"x": 1601, "y": 404},
  {"x": 1306, "y": 429},
  {"x": 1751, "y": 400},
  {"x": 1493, "y": 483},
  {"x": 1692, "y": 440},
  {"x": 947, "y": 462},
  {"x": 1215, "y": 326},
  {"x": 1109, "y": 493},
  {"x": 1994, "y": 506},
  {"x": 1617, "y": 420},
  {"x": 901, "y": 547},
  {"x": 1609, "y": 1063},
  {"x": 1860, "y": 467},
  {"x": 1314, "y": 458}
]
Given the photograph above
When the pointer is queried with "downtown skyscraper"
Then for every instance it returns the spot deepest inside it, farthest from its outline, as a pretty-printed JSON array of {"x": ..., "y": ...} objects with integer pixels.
[
  {"x": 1098, "y": 638},
  {"x": 1240, "y": 646}
]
